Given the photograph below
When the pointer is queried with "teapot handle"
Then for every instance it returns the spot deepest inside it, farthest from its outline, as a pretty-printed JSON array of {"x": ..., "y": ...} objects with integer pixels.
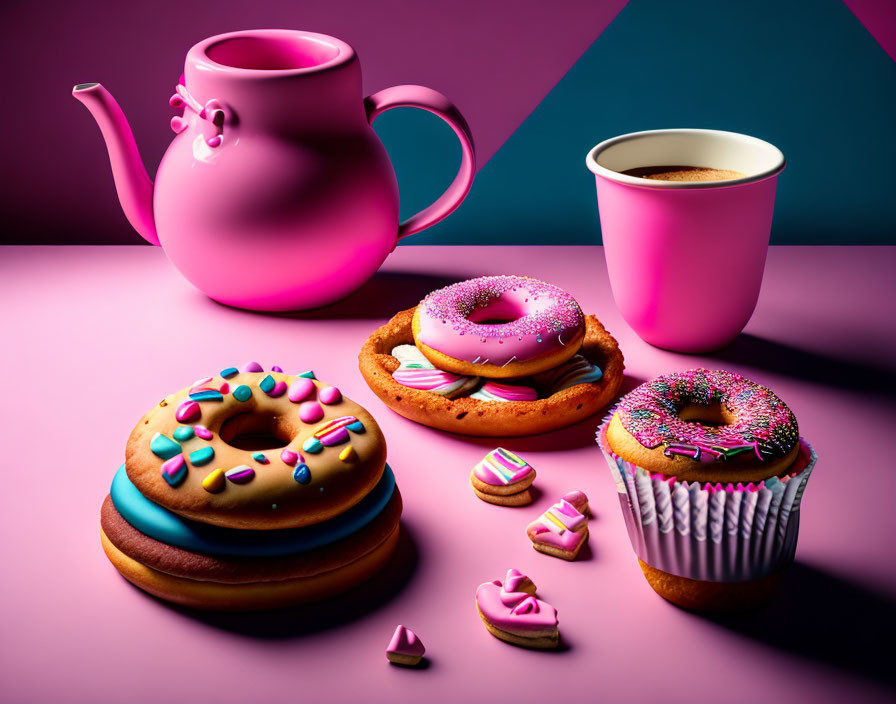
[{"x": 436, "y": 103}]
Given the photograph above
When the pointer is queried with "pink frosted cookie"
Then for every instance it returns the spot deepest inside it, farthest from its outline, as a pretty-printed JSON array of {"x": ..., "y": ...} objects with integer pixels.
[
  {"x": 562, "y": 530},
  {"x": 405, "y": 647},
  {"x": 503, "y": 478},
  {"x": 511, "y": 612}
]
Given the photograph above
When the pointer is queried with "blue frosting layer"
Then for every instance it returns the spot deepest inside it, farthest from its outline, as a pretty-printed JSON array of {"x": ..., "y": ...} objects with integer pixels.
[{"x": 167, "y": 527}]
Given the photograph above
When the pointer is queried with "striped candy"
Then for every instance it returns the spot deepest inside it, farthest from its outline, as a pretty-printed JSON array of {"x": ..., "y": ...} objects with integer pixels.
[
  {"x": 501, "y": 466},
  {"x": 493, "y": 391}
]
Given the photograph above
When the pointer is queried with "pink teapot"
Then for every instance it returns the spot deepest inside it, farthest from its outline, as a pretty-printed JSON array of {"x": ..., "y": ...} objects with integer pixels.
[{"x": 276, "y": 194}]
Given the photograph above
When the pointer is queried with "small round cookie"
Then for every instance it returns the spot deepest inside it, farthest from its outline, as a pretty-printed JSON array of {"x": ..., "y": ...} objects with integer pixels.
[
  {"x": 472, "y": 416},
  {"x": 499, "y": 327},
  {"x": 503, "y": 478},
  {"x": 705, "y": 426},
  {"x": 253, "y": 450}
]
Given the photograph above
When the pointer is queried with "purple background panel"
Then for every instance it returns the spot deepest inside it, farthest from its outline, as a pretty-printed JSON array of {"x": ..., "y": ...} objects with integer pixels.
[
  {"x": 879, "y": 18},
  {"x": 100, "y": 333},
  {"x": 496, "y": 60}
]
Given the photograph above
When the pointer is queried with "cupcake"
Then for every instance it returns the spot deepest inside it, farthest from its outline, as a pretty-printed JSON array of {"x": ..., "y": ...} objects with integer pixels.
[{"x": 710, "y": 470}]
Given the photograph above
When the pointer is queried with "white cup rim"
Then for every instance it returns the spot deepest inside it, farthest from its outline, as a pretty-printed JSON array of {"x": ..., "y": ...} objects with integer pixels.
[{"x": 775, "y": 157}]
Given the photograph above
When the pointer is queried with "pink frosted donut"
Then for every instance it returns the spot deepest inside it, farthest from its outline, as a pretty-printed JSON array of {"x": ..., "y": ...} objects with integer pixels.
[{"x": 498, "y": 327}]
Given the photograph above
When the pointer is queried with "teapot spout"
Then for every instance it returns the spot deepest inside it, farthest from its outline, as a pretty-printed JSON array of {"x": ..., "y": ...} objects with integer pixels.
[{"x": 132, "y": 183}]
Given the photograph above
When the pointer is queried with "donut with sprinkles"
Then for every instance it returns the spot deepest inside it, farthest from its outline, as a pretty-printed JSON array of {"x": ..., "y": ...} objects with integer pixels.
[
  {"x": 498, "y": 327},
  {"x": 707, "y": 426},
  {"x": 250, "y": 449}
]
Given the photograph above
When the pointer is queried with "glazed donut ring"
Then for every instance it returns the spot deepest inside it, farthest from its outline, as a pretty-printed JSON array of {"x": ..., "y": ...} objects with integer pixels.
[
  {"x": 470, "y": 416},
  {"x": 498, "y": 327},
  {"x": 705, "y": 426},
  {"x": 180, "y": 453}
]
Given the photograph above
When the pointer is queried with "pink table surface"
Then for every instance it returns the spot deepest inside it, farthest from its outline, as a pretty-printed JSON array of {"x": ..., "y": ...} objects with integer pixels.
[{"x": 92, "y": 337}]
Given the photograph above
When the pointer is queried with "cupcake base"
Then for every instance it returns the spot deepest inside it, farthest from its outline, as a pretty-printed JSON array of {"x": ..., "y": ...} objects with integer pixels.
[{"x": 712, "y": 597}]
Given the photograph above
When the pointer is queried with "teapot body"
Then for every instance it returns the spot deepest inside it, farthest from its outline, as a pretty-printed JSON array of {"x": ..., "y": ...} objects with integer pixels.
[{"x": 276, "y": 194}]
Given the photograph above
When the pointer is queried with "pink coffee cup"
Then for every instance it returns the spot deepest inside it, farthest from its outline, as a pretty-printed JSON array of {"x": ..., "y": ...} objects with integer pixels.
[{"x": 686, "y": 258}]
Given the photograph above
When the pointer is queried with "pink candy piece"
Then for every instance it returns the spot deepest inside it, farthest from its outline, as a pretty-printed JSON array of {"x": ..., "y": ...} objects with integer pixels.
[
  {"x": 278, "y": 390},
  {"x": 200, "y": 383},
  {"x": 188, "y": 411},
  {"x": 173, "y": 466},
  {"x": 336, "y": 437},
  {"x": 405, "y": 647},
  {"x": 330, "y": 395},
  {"x": 225, "y": 388},
  {"x": 311, "y": 412},
  {"x": 202, "y": 432},
  {"x": 252, "y": 367},
  {"x": 291, "y": 458},
  {"x": 300, "y": 389}
]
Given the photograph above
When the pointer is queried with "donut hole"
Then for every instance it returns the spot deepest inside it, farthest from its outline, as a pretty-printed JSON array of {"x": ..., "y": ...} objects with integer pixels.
[
  {"x": 498, "y": 312},
  {"x": 256, "y": 431},
  {"x": 714, "y": 415}
]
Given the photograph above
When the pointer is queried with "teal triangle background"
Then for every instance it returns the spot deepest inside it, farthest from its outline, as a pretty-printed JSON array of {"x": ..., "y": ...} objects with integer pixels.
[{"x": 802, "y": 74}]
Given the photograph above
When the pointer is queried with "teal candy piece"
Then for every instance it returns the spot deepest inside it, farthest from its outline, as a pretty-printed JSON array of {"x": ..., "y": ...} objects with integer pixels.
[
  {"x": 312, "y": 446},
  {"x": 259, "y": 457},
  {"x": 169, "y": 528},
  {"x": 164, "y": 447},
  {"x": 307, "y": 375},
  {"x": 242, "y": 393},
  {"x": 356, "y": 427},
  {"x": 267, "y": 384},
  {"x": 207, "y": 395},
  {"x": 178, "y": 476},
  {"x": 184, "y": 433},
  {"x": 302, "y": 474},
  {"x": 230, "y": 372},
  {"x": 202, "y": 456}
]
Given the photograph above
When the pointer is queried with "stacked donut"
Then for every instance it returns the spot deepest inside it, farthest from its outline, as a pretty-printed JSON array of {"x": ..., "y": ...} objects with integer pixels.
[
  {"x": 251, "y": 490},
  {"x": 500, "y": 340}
]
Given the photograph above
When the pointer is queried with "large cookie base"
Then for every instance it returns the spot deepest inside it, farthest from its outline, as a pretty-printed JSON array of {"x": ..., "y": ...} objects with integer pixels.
[
  {"x": 253, "y": 596},
  {"x": 469, "y": 416}
]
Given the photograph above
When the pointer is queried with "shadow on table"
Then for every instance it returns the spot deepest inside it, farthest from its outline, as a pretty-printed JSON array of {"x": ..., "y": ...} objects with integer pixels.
[
  {"x": 820, "y": 616},
  {"x": 325, "y": 615},
  {"x": 382, "y": 296},
  {"x": 798, "y": 363}
]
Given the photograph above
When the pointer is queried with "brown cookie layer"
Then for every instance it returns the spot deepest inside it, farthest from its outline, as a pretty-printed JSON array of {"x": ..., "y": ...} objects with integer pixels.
[
  {"x": 251, "y": 596},
  {"x": 236, "y": 570},
  {"x": 470, "y": 416}
]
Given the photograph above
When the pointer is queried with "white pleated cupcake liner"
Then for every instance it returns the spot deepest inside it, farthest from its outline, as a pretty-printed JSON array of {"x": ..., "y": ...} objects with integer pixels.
[{"x": 710, "y": 532}]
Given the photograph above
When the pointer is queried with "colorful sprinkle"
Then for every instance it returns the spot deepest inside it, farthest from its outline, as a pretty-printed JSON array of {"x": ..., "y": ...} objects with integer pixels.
[
  {"x": 275, "y": 368},
  {"x": 312, "y": 446},
  {"x": 214, "y": 482},
  {"x": 307, "y": 375},
  {"x": 207, "y": 395},
  {"x": 202, "y": 432},
  {"x": 242, "y": 393},
  {"x": 184, "y": 433},
  {"x": 202, "y": 456},
  {"x": 229, "y": 373},
  {"x": 267, "y": 384},
  {"x": 300, "y": 389},
  {"x": 240, "y": 475},
  {"x": 337, "y": 424},
  {"x": 174, "y": 470},
  {"x": 278, "y": 390},
  {"x": 330, "y": 395},
  {"x": 348, "y": 454},
  {"x": 252, "y": 367},
  {"x": 302, "y": 474},
  {"x": 225, "y": 388},
  {"x": 164, "y": 447},
  {"x": 311, "y": 412},
  {"x": 200, "y": 383},
  {"x": 188, "y": 411},
  {"x": 289, "y": 457},
  {"x": 356, "y": 427},
  {"x": 260, "y": 458}
]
